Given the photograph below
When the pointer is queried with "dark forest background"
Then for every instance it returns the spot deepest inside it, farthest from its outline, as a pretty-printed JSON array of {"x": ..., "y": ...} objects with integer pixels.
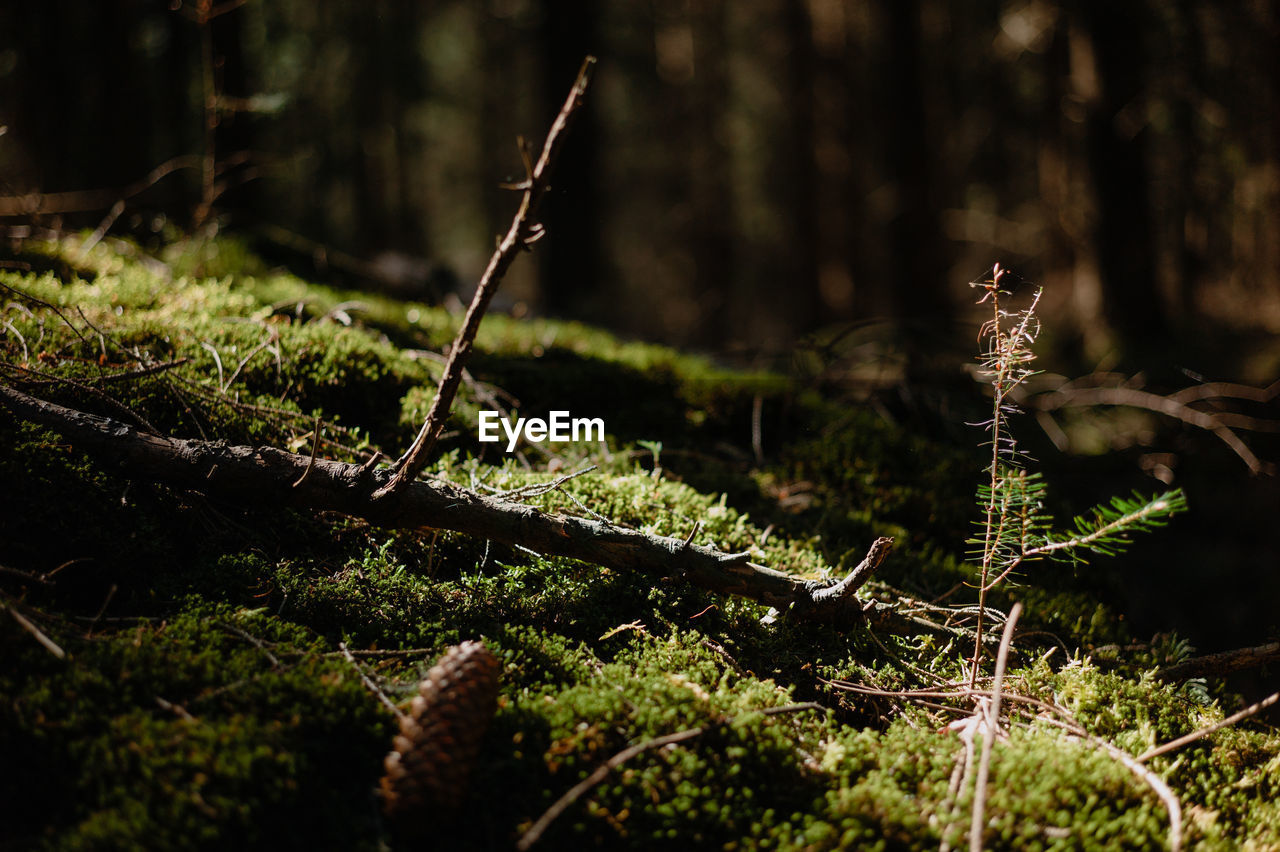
[
  {"x": 744, "y": 172},
  {"x": 745, "y": 176}
]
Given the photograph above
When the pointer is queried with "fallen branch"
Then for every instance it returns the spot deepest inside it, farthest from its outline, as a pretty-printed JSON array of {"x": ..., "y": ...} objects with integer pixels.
[
  {"x": 1222, "y": 663},
  {"x": 522, "y": 234},
  {"x": 267, "y": 476},
  {"x": 45, "y": 203},
  {"x": 859, "y": 575}
]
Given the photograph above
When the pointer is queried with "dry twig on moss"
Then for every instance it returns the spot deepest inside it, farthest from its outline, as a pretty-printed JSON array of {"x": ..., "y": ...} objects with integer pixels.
[
  {"x": 522, "y": 234},
  {"x": 1174, "y": 745},
  {"x": 535, "y": 832},
  {"x": 992, "y": 731}
]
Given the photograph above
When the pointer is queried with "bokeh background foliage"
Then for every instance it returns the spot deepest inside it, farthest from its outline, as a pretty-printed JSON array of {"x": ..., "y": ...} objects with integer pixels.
[{"x": 743, "y": 173}]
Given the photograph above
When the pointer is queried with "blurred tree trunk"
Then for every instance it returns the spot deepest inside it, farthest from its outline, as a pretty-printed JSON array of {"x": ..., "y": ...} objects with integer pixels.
[
  {"x": 371, "y": 99},
  {"x": 1059, "y": 168},
  {"x": 707, "y": 167},
  {"x": 1117, "y": 152},
  {"x": 859, "y": 148},
  {"x": 803, "y": 298},
  {"x": 1188, "y": 228},
  {"x": 233, "y": 136},
  {"x": 571, "y": 211},
  {"x": 917, "y": 277},
  {"x": 72, "y": 94}
]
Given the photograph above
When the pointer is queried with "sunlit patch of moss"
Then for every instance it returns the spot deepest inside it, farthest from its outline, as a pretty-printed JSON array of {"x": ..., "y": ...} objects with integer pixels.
[
  {"x": 662, "y": 507},
  {"x": 710, "y": 790}
]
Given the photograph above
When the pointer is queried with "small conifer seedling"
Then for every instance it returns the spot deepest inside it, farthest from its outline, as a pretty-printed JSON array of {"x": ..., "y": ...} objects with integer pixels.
[{"x": 1015, "y": 528}]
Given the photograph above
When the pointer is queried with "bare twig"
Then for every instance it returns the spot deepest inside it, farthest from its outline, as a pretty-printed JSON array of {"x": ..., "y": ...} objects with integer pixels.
[
  {"x": 101, "y": 230},
  {"x": 311, "y": 462},
  {"x": 537, "y": 489},
  {"x": 860, "y": 574},
  {"x": 1174, "y": 745},
  {"x": 1170, "y": 800},
  {"x": 370, "y": 685},
  {"x": 217, "y": 360},
  {"x": 273, "y": 336},
  {"x": 129, "y": 375},
  {"x": 1175, "y": 405},
  {"x": 96, "y": 199},
  {"x": 42, "y": 303},
  {"x": 530, "y": 837},
  {"x": 374, "y": 652},
  {"x": 277, "y": 416},
  {"x": 252, "y": 640},
  {"x": 485, "y": 392},
  {"x": 959, "y": 781},
  {"x": 42, "y": 579},
  {"x": 520, "y": 236},
  {"x": 39, "y": 635},
  {"x": 993, "y": 728},
  {"x": 102, "y": 610},
  {"x": 12, "y": 329},
  {"x": 1227, "y": 390},
  {"x": 111, "y": 401},
  {"x": 176, "y": 709}
]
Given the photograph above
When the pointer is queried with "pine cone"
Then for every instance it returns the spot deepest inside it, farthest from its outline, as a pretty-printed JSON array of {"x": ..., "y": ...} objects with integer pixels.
[{"x": 430, "y": 764}]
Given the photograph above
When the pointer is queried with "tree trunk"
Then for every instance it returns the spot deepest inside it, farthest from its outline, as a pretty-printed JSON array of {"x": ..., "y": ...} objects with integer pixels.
[{"x": 1117, "y": 146}]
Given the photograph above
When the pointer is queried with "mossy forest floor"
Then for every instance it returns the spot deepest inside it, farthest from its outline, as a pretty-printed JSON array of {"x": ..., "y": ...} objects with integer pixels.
[{"x": 202, "y": 701}]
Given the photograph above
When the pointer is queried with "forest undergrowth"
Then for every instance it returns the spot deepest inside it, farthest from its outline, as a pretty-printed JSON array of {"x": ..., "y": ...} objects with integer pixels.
[{"x": 183, "y": 671}]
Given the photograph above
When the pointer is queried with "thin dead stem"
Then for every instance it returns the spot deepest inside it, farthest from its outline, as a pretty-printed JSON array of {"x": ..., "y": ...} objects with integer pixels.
[
  {"x": 535, "y": 832},
  {"x": 25, "y": 623},
  {"x": 370, "y": 685},
  {"x": 1174, "y": 745},
  {"x": 521, "y": 236},
  {"x": 992, "y": 731},
  {"x": 1008, "y": 354}
]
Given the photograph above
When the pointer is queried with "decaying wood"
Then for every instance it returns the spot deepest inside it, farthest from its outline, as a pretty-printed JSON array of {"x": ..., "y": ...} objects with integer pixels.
[{"x": 275, "y": 478}]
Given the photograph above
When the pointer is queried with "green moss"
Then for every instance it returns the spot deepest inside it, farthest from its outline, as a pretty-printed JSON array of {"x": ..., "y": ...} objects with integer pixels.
[
  {"x": 185, "y": 733},
  {"x": 201, "y": 704}
]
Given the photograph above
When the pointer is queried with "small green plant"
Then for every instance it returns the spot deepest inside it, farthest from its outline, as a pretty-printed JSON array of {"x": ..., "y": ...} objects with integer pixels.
[{"x": 1015, "y": 528}]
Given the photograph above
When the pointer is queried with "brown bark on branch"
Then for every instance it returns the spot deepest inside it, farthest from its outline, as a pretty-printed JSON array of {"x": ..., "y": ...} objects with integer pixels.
[
  {"x": 1223, "y": 663},
  {"x": 522, "y": 234},
  {"x": 275, "y": 478}
]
